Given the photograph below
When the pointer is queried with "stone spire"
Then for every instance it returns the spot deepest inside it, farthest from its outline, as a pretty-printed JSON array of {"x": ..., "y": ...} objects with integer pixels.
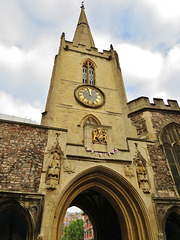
[{"x": 83, "y": 34}]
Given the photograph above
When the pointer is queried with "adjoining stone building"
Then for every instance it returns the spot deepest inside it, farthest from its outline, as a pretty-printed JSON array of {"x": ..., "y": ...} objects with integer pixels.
[{"x": 118, "y": 161}]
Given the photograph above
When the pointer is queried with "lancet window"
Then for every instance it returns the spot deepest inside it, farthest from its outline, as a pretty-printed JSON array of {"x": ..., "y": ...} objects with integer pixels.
[
  {"x": 171, "y": 144},
  {"x": 88, "y": 73}
]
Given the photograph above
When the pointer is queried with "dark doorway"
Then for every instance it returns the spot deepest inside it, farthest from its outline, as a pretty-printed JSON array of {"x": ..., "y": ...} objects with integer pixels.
[
  {"x": 12, "y": 225},
  {"x": 102, "y": 214},
  {"x": 172, "y": 227}
]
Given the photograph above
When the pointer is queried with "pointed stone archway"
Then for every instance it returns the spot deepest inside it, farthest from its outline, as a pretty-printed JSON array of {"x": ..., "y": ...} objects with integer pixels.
[
  {"x": 171, "y": 224},
  {"x": 15, "y": 221},
  {"x": 100, "y": 189}
]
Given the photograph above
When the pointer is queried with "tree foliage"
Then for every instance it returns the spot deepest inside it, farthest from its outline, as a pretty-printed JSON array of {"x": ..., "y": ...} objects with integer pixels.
[{"x": 75, "y": 231}]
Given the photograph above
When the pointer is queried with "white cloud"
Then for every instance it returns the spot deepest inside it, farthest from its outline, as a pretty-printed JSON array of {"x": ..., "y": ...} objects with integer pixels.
[
  {"x": 150, "y": 74},
  {"x": 173, "y": 58},
  {"x": 138, "y": 62},
  {"x": 73, "y": 209},
  {"x": 11, "y": 56},
  {"x": 167, "y": 10},
  {"x": 17, "y": 107}
]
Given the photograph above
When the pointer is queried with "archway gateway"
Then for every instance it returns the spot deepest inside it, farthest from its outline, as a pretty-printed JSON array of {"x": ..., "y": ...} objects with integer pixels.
[{"x": 110, "y": 201}]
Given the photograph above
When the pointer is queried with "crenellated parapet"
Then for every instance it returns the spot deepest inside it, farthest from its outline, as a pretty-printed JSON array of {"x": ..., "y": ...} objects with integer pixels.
[
  {"x": 69, "y": 46},
  {"x": 143, "y": 104}
]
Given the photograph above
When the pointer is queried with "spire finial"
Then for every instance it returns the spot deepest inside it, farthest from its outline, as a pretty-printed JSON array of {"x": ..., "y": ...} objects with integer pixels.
[{"x": 82, "y": 4}]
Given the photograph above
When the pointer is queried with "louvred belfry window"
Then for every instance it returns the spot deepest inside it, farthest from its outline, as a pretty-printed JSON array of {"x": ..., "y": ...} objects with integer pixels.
[
  {"x": 88, "y": 73},
  {"x": 171, "y": 144}
]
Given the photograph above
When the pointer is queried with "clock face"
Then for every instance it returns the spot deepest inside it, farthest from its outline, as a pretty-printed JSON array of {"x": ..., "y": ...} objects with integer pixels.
[{"x": 89, "y": 95}]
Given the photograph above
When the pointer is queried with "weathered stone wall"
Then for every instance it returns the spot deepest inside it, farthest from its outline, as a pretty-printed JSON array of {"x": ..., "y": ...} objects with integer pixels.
[
  {"x": 140, "y": 124},
  {"x": 162, "y": 177},
  {"x": 161, "y": 119},
  {"x": 22, "y": 149}
]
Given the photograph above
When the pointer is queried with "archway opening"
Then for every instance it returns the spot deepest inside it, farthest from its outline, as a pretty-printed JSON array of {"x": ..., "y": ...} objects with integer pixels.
[
  {"x": 112, "y": 204},
  {"x": 12, "y": 225},
  {"x": 172, "y": 227},
  {"x": 73, "y": 224},
  {"x": 101, "y": 213}
]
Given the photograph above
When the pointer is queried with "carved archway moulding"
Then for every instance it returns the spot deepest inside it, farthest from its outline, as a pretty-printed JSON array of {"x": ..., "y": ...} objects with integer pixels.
[{"x": 129, "y": 206}]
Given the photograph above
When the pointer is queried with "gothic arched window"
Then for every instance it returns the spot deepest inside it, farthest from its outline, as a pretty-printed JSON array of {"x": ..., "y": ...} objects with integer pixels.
[
  {"x": 171, "y": 144},
  {"x": 90, "y": 119},
  {"x": 88, "y": 73}
]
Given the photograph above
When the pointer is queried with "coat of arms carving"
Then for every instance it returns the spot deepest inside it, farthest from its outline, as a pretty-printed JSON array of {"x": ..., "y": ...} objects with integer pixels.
[{"x": 99, "y": 136}]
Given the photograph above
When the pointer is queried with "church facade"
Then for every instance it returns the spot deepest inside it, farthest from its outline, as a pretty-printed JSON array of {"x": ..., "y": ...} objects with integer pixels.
[{"x": 118, "y": 161}]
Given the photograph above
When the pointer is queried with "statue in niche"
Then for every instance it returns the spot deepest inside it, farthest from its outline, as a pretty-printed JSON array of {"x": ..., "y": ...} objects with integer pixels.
[
  {"x": 53, "y": 172},
  {"x": 142, "y": 177},
  {"x": 99, "y": 136},
  {"x": 142, "y": 173}
]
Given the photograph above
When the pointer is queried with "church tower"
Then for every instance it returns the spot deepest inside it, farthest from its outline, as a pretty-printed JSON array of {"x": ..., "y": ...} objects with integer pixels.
[{"x": 87, "y": 87}]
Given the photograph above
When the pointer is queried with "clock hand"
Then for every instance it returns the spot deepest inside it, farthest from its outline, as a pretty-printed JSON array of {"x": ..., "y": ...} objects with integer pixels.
[{"x": 90, "y": 91}]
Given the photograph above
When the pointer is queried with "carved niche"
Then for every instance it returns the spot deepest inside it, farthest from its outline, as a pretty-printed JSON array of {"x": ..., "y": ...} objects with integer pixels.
[
  {"x": 99, "y": 136},
  {"x": 142, "y": 173},
  {"x": 53, "y": 171}
]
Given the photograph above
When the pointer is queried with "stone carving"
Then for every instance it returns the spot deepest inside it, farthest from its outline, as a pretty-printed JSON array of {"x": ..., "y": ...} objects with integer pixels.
[
  {"x": 69, "y": 167},
  {"x": 99, "y": 136},
  {"x": 128, "y": 171},
  {"x": 142, "y": 177},
  {"x": 142, "y": 173},
  {"x": 53, "y": 172},
  {"x": 40, "y": 237},
  {"x": 160, "y": 236},
  {"x": 161, "y": 209},
  {"x": 34, "y": 211}
]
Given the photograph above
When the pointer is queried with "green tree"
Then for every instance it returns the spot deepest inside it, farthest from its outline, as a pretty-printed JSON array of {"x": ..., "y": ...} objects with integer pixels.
[
  {"x": 75, "y": 231},
  {"x": 65, "y": 232}
]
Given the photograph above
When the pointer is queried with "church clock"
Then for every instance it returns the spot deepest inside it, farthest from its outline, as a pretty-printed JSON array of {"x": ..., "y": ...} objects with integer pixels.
[{"x": 89, "y": 96}]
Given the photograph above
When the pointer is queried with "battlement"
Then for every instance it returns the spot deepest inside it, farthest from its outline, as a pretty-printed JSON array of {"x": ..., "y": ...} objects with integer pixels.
[
  {"x": 143, "y": 103},
  {"x": 69, "y": 46}
]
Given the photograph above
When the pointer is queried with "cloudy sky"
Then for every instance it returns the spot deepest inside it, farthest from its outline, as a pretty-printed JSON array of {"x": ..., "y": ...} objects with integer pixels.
[{"x": 145, "y": 33}]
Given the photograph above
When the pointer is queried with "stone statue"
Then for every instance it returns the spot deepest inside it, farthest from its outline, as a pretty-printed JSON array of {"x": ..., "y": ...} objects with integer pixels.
[
  {"x": 142, "y": 176},
  {"x": 53, "y": 172}
]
